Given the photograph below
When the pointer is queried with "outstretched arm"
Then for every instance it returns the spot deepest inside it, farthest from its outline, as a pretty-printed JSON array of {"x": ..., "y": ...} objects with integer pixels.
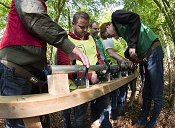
[
  {"x": 115, "y": 56},
  {"x": 33, "y": 14}
]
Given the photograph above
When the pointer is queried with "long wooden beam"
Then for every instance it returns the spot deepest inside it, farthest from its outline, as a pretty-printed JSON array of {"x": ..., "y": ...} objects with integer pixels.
[{"x": 39, "y": 104}]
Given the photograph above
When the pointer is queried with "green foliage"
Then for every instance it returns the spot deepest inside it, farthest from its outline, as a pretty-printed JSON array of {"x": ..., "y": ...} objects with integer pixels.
[
  {"x": 147, "y": 10},
  {"x": 95, "y": 8},
  {"x": 4, "y": 5},
  {"x": 62, "y": 11}
]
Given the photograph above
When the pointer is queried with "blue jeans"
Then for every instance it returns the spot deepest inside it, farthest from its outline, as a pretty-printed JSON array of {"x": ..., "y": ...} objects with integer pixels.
[
  {"x": 79, "y": 116},
  {"x": 153, "y": 88},
  {"x": 11, "y": 85},
  {"x": 118, "y": 100},
  {"x": 98, "y": 108}
]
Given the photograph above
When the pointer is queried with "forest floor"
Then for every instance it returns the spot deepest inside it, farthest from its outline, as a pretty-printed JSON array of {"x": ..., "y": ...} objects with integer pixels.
[{"x": 165, "y": 120}]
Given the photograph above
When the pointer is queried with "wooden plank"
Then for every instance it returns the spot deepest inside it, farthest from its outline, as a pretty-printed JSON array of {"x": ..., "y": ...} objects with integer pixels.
[
  {"x": 41, "y": 104},
  {"x": 32, "y": 122}
]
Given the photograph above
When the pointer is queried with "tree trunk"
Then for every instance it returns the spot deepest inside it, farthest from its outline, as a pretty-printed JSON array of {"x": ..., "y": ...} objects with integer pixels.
[
  {"x": 173, "y": 82},
  {"x": 168, "y": 14}
]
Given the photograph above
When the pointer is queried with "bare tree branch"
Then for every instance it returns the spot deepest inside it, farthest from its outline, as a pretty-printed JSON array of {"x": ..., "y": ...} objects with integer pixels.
[
  {"x": 1, "y": 3},
  {"x": 167, "y": 3},
  {"x": 76, "y": 4}
]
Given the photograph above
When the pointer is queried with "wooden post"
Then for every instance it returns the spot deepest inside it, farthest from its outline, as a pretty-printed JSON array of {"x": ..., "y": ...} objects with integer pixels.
[
  {"x": 32, "y": 122},
  {"x": 58, "y": 84}
]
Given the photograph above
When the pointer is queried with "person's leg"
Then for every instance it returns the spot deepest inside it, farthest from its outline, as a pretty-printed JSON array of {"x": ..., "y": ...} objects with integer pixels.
[
  {"x": 80, "y": 115},
  {"x": 66, "y": 116},
  {"x": 114, "y": 103},
  {"x": 153, "y": 88},
  {"x": 99, "y": 108},
  {"x": 133, "y": 91},
  {"x": 155, "y": 68},
  {"x": 98, "y": 105},
  {"x": 94, "y": 111},
  {"x": 122, "y": 99},
  {"x": 146, "y": 95},
  {"x": 105, "y": 122},
  {"x": 10, "y": 85}
]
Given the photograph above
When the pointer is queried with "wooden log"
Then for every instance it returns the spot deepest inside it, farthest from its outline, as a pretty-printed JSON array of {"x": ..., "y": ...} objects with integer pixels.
[{"x": 25, "y": 106}]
